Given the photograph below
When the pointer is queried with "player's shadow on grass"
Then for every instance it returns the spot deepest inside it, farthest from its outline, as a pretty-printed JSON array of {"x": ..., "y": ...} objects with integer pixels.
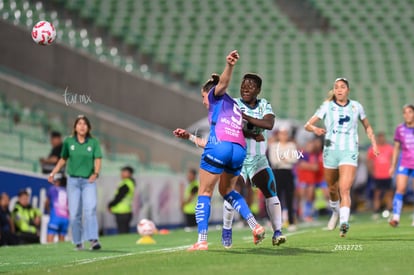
[{"x": 282, "y": 251}]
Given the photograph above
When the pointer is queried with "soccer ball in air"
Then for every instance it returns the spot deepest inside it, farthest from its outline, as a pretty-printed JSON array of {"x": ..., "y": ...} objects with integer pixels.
[
  {"x": 43, "y": 33},
  {"x": 146, "y": 228}
]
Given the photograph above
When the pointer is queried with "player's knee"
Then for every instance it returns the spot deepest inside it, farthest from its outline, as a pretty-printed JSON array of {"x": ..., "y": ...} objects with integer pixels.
[
  {"x": 268, "y": 190},
  {"x": 224, "y": 189},
  {"x": 345, "y": 191}
]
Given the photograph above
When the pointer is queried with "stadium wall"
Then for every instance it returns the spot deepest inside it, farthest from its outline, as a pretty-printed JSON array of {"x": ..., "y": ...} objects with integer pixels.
[{"x": 64, "y": 67}]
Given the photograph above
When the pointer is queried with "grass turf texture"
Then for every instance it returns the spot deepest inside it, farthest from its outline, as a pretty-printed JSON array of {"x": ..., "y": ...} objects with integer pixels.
[{"x": 371, "y": 247}]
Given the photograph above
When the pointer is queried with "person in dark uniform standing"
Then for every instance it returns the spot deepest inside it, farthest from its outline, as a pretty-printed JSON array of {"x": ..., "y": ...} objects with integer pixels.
[{"x": 121, "y": 204}]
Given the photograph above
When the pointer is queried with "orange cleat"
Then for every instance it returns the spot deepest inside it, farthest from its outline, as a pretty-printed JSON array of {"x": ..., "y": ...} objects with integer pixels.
[
  {"x": 394, "y": 223},
  {"x": 258, "y": 234},
  {"x": 198, "y": 246}
]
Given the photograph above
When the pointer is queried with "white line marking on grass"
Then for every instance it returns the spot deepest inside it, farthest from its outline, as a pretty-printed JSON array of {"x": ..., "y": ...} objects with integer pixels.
[
  {"x": 92, "y": 260},
  {"x": 97, "y": 259},
  {"x": 165, "y": 250}
]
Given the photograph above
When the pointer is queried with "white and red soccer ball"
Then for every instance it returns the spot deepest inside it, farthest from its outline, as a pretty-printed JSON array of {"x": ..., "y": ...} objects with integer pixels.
[
  {"x": 146, "y": 227},
  {"x": 44, "y": 33}
]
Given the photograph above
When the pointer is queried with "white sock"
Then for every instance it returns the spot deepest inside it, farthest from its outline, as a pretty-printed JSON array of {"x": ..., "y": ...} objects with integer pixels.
[
  {"x": 274, "y": 211},
  {"x": 228, "y": 214},
  {"x": 396, "y": 217},
  {"x": 334, "y": 206},
  {"x": 202, "y": 237},
  {"x": 344, "y": 214}
]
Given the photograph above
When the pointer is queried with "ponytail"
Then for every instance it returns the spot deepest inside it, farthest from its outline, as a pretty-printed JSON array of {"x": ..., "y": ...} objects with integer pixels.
[
  {"x": 331, "y": 96},
  {"x": 213, "y": 81}
]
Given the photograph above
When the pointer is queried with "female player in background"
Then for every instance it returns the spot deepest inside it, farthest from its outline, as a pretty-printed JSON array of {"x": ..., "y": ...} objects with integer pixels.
[
  {"x": 223, "y": 156},
  {"x": 404, "y": 143},
  {"x": 306, "y": 170},
  {"x": 259, "y": 117},
  {"x": 340, "y": 115}
]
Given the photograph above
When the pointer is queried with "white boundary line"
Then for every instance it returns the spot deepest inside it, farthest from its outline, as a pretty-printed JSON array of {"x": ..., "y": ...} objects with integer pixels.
[{"x": 98, "y": 259}]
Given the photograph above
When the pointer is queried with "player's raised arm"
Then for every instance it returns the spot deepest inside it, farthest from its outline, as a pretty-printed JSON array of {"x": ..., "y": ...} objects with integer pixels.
[
  {"x": 371, "y": 135},
  {"x": 225, "y": 77}
]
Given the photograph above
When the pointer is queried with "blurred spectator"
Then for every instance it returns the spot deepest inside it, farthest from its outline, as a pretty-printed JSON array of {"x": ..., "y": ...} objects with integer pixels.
[
  {"x": 57, "y": 206},
  {"x": 359, "y": 188},
  {"x": 26, "y": 219},
  {"x": 321, "y": 188},
  {"x": 49, "y": 163},
  {"x": 121, "y": 205},
  {"x": 283, "y": 155},
  {"x": 378, "y": 168},
  {"x": 7, "y": 236},
  {"x": 189, "y": 198},
  {"x": 307, "y": 170}
]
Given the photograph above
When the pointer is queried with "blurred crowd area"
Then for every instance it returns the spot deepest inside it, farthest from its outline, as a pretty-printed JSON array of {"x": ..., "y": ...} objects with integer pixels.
[{"x": 309, "y": 193}]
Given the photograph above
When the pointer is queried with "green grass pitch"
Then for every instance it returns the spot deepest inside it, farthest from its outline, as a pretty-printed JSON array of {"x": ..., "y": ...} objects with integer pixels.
[{"x": 371, "y": 247}]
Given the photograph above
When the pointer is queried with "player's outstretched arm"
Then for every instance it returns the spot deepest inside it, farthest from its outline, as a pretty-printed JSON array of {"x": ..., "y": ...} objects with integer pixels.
[
  {"x": 310, "y": 127},
  {"x": 57, "y": 168},
  {"x": 371, "y": 135},
  {"x": 225, "y": 77},
  {"x": 266, "y": 122},
  {"x": 184, "y": 134}
]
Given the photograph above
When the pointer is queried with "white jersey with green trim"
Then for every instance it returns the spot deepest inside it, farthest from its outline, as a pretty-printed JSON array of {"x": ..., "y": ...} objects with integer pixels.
[
  {"x": 341, "y": 124},
  {"x": 261, "y": 109}
]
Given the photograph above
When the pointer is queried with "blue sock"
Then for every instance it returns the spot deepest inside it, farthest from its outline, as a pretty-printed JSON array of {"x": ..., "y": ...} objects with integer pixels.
[
  {"x": 308, "y": 209},
  {"x": 240, "y": 205},
  {"x": 397, "y": 204},
  {"x": 202, "y": 216}
]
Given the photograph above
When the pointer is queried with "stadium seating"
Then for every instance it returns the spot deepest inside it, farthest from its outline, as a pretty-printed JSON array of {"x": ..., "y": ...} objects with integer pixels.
[
  {"x": 24, "y": 139},
  {"x": 370, "y": 44}
]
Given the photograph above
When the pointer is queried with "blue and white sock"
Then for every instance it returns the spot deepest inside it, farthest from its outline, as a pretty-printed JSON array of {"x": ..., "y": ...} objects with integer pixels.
[
  {"x": 240, "y": 205},
  {"x": 202, "y": 216},
  {"x": 228, "y": 215},
  {"x": 397, "y": 205}
]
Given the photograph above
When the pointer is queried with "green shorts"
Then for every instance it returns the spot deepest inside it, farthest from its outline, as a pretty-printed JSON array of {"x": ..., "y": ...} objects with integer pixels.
[
  {"x": 253, "y": 165},
  {"x": 332, "y": 159}
]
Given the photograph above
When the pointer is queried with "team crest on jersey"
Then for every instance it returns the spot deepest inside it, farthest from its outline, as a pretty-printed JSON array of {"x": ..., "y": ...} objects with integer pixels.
[
  {"x": 89, "y": 149},
  {"x": 72, "y": 147},
  {"x": 261, "y": 109}
]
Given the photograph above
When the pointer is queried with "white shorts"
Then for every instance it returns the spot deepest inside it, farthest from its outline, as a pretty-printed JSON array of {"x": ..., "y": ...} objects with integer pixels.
[{"x": 252, "y": 166}]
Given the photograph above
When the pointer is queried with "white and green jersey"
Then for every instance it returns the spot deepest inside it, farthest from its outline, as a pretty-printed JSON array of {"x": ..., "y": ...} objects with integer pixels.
[
  {"x": 261, "y": 109},
  {"x": 341, "y": 124}
]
